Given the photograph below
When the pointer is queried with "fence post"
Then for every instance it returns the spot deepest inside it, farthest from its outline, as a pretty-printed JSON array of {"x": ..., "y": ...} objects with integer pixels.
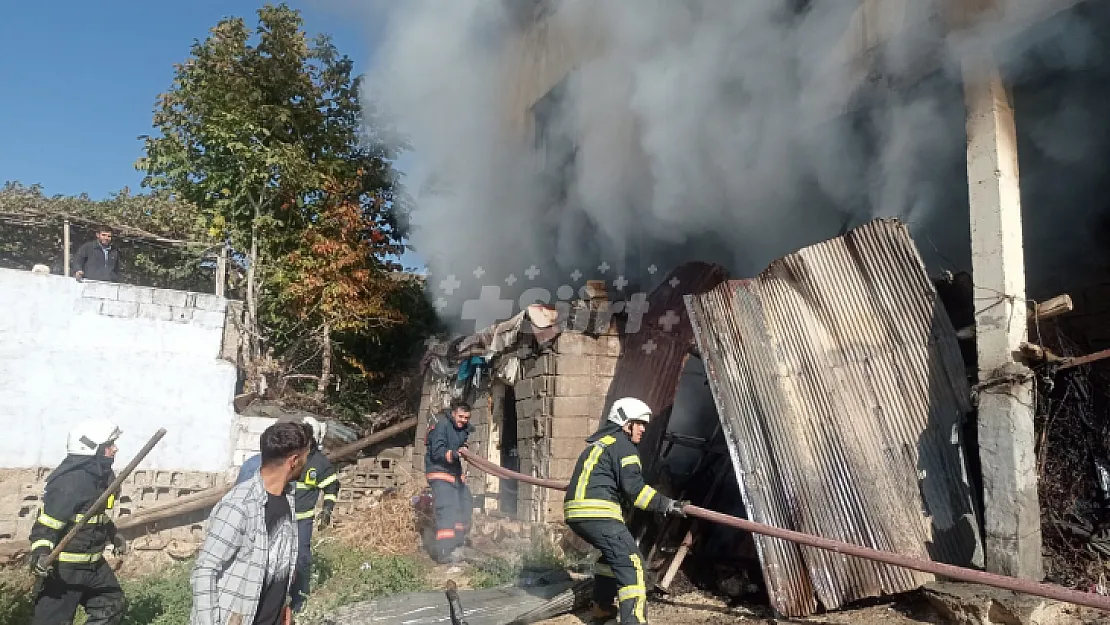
[
  {"x": 65, "y": 246},
  {"x": 221, "y": 272}
]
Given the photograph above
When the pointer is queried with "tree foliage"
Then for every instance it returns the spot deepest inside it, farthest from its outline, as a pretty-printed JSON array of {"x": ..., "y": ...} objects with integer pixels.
[{"x": 265, "y": 133}]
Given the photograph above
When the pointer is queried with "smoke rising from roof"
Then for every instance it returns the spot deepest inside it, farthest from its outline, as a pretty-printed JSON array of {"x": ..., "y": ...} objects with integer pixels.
[{"x": 733, "y": 132}]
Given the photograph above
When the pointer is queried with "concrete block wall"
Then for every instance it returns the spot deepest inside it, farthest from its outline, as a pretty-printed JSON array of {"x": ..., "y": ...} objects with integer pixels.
[
  {"x": 21, "y": 494},
  {"x": 144, "y": 357},
  {"x": 559, "y": 404}
]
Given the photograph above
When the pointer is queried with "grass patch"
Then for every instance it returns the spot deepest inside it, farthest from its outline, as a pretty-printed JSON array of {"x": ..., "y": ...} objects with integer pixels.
[{"x": 342, "y": 574}]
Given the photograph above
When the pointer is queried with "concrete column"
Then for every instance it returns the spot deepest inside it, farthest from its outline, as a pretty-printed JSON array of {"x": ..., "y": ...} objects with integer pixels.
[{"x": 1006, "y": 441}]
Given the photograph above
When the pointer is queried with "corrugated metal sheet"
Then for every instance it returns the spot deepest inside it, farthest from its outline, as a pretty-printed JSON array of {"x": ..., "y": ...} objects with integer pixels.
[
  {"x": 839, "y": 382},
  {"x": 653, "y": 354}
]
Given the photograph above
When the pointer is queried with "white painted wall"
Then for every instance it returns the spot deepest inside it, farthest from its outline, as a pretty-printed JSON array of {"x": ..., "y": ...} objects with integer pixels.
[{"x": 146, "y": 358}]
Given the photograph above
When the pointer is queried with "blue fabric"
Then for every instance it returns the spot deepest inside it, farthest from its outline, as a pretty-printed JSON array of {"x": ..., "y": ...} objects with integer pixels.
[
  {"x": 249, "y": 468},
  {"x": 470, "y": 366}
]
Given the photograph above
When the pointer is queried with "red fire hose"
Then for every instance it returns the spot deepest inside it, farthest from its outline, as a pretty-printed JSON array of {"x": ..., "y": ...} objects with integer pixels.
[{"x": 1048, "y": 591}]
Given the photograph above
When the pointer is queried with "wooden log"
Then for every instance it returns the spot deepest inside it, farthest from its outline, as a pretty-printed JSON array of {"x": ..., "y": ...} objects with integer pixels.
[{"x": 1059, "y": 305}]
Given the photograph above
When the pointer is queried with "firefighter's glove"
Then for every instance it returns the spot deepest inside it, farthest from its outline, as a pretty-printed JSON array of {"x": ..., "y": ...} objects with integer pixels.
[
  {"x": 675, "y": 508},
  {"x": 120, "y": 546},
  {"x": 39, "y": 568}
]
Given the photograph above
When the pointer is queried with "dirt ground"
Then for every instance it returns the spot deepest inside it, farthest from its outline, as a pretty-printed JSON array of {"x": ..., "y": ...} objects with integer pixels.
[{"x": 697, "y": 609}]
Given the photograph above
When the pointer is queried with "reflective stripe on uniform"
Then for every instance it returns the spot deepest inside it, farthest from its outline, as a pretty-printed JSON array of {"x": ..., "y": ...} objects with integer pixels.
[
  {"x": 591, "y": 462},
  {"x": 308, "y": 514},
  {"x": 303, "y": 486},
  {"x": 93, "y": 520},
  {"x": 50, "y": 521},
  {"x": 447, "y": 534},
  {"x": 641, "y": 597},
  {"x": 49, "y": 544},
  {"x": 446, "y": 477},
  {"x": 329, "y": 497},
  {"x": 627, "y": 460},
  {"x": 647, "y": 493},
  {"x": 328, "y": 480},
  {"x": 592, "y": 509},
  {"x": 111, "y": 502},
  {"x": 78, "y": 558},
  {"x": 631, "y": 592}
]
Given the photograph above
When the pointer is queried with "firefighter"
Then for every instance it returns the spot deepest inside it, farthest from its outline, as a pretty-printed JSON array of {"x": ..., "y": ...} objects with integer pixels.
[
  {"x": 319, "y": 475},
  {"x": 605, "y": 480},
  {"x": 80, "y": 575},
  {"x": 443, "y": 468}
]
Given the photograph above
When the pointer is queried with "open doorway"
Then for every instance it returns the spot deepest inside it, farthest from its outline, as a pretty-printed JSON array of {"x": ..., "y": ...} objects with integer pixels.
[{"x": 510, "y": 456}]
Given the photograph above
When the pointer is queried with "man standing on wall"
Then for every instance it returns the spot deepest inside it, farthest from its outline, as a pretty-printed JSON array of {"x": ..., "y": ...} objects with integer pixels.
[
  {"x": 443, "y": 467},
  {"x": 98, "y": 259},
  {"x": 80, "y": 576},
  {"x": 319, "y": 475},
  {"x": 606, "y": 476},
  {"x": 245, "y": 568}
]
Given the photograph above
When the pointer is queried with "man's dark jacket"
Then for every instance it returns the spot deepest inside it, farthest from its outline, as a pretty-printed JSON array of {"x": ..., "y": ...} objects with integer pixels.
[
  {"x": 442, "y": 438},
  {"x": 90, "y": 259}
]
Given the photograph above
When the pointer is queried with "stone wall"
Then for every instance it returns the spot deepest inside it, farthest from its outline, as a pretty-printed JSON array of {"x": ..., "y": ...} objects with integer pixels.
[{"x": 144, "y": 357}]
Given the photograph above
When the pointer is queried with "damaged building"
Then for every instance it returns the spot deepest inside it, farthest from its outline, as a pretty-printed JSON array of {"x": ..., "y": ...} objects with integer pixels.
[{"x": 867, "y": 386}]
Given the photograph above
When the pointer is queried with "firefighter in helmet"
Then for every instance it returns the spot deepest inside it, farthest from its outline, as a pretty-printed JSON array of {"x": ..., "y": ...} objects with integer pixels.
[
  {"x": 454, "y": 505},
  {"x": 319, "y": 476},
  {"x": 79, "y": 576},
  {"x": 606, "y": 479}
]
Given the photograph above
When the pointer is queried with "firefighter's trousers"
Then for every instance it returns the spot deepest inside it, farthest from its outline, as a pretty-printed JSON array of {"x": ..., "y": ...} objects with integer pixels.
[
  {"x": 302, "y": 578},
  {"x": 620, "y": 571},
  {"x": 92, "y": 585},
  {"x": 454, "y": 507}
]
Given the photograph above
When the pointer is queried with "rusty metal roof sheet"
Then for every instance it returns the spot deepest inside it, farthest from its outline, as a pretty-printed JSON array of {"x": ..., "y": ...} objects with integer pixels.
[
  {"x": 653, "y": 353},
  {"x": 839, "y": 383}
]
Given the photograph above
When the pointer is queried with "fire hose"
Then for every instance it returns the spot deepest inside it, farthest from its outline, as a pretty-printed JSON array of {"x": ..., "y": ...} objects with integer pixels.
[{"x": 1048, "y": 591}]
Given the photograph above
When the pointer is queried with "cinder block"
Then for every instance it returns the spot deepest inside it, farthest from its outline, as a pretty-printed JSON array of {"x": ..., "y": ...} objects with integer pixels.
[
  {"x": 566, "y": 448},
  {"x": 181, "y": 315},
  {"x": 561, "y": 468},
  {"x": 570, "y": 364},
  {"x": 112, "y": 308},
  {"x": 573, "y": 385},
  {"x": 138, "y": 294},
  {"x": 605, "y": 366},
  {"x": 207, "y": 301},
  {"x": 543, "y": 365},
  {"x": 570, "y": 406},
  {"x": 167, "y": 297},
  {"x": 612, "y": 346},
  {"x": 156, "y": 311},
  {"x": 100, "y": 290},
  {"x": 87, "y": 306},
  {"x": 577, "y": 428},
  {"x": 208, "y": 319},
  {"x": 575, "y": 343}
]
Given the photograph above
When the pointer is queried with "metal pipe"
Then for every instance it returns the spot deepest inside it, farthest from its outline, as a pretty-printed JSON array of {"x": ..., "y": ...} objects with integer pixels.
[{"x": 1048, "y": 591}]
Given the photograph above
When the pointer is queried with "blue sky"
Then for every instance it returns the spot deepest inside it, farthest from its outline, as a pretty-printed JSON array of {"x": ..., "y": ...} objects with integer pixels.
[{"x": 79, "y": 80}]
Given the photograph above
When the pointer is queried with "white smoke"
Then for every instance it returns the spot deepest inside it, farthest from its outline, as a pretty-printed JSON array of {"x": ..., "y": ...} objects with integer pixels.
[{"x": 716, "y": 130}]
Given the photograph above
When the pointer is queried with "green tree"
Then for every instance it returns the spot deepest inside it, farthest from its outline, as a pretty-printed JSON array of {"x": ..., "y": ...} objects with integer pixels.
[{"x": 252, "y": 130}]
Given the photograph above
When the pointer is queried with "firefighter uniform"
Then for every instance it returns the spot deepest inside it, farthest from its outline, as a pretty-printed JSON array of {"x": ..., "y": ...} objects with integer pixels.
[
  {"x": 454, "y": 505},
  {"x": 606, "y": 478},
  {"x": 81, "y": 576},
  {"x": 319, "y": 475}
]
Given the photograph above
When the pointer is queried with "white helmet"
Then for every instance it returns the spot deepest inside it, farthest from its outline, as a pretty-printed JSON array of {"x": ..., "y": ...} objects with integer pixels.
[
  {"x": 628, "y": 409},
  {"x": 89, "y": 435},
  {"x": 319, "y": 430}
]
